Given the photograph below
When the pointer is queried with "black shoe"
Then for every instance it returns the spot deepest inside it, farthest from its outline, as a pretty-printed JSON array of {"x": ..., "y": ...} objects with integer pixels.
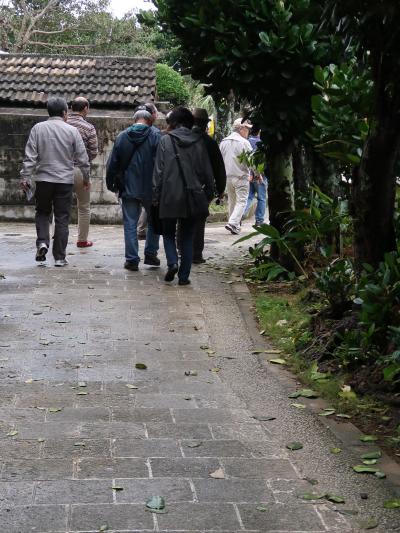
[
  {"x": 172, "y": 270},
  {"x": 198, "y": 260},
  {"x": 41, "y": 252},
  {"x": 184, "y": 282},
  {"x": 151, "y": 260},
  {"x": 134, "y": 267},
  {"x": 141, "y": 236}
]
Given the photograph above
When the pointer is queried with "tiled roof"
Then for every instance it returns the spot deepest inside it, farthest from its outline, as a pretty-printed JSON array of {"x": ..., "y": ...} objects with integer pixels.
[{"x": 29, "y": 79}]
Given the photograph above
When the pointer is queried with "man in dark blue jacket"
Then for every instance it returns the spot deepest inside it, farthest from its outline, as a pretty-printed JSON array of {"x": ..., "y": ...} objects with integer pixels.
[{"x": 129, "y": 172}]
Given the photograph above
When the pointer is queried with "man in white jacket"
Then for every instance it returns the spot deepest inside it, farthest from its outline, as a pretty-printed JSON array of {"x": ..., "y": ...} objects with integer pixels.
[{"x": 237, "y": 173}]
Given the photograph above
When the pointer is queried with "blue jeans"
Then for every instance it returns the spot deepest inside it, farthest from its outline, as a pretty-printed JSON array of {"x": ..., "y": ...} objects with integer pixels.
[
  {"x": 186, "y": 230},
  {"x": 259, "y": 190},
  {"x": 131, "y": 209}
]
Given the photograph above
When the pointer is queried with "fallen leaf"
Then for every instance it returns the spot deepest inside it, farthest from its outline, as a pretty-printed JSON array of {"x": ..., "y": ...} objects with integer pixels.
[
  {"x": 79, "y": 444},
  {"x": 30, "y": 380},
  {"x": 262, "y": 332},
  {"x": 262, "y": 509},
  {"x": 12, "y": 433},
  {"x": 298, "y": 405},
  {"x": 392, "y": 504},
  {"x": 272, "y": 351},
  {"x": 370, "y": 461},
  {"x": 336, "y": 450},
  {"x": 40, "y": 440},
  {"x": 130, "y": 386},
  {"x": 141, "y": 366},
  {"x": 194, "y": 444},
  {"x": 334, "y": 499},
  {"x": 305, "y": 393},
  {"x": 218, "y": 474},
  {"x": 215, "y": 370},
  {"x": 294, "y": 446},
  {"x": 327, "y": 412},
  {"x": 372, "y": 455},
  {"x": 370, "y": 523},
  {"x": 116, "y": 488},
  {"x": 341, "y": 415},
  {"x": 204, "y": 347},
  {"x": 210, "y": 352},
  {"x": 92, "y": 355},
  {"x": 264, "y": 418},
  {"x": 278, "y": 361},
  {"x": 363, "y": 469},
  {"x": 54, "y": 409},
  {"x": 190, "y": 373},
  {"x": 82, "y": 393},
  {"x": 311, "y": 481},
  {"x": 103, "y": 528},
  {"x": 156, "y": 504},
  {"x": 368, "y": 438},
  {"x": 81, "y": 384},
  {"x": 380, "y": 474}
]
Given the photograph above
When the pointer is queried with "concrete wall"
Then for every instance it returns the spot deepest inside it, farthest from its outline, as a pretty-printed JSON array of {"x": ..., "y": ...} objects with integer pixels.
[{"x": 15, "y": 125}]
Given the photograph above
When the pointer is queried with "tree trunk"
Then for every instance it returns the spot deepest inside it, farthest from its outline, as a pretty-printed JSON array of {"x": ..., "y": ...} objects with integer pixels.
[
  {"x": 301, "y": 170},
  {"x": 280, "y": 195},
  {"x": 325, "y": 175},
  {"x": 373, "y": 198}
]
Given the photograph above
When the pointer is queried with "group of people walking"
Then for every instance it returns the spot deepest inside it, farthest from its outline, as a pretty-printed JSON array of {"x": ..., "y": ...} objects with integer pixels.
[{"x": 165, "y": 180}]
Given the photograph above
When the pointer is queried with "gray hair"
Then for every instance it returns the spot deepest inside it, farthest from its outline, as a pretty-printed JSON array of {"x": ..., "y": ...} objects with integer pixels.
[
  {"x": 142, "y": 114},
  {"x": 56, "y": 106}
]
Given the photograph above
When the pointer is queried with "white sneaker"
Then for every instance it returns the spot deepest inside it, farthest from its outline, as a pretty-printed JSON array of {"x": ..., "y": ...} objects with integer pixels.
[
  {"x": 232, "y": 229},
  {"x": 61, "y": 262},
  {"x": 41, "y": 252}
]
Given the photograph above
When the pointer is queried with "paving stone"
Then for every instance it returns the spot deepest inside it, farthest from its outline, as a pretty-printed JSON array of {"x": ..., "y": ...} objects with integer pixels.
[
  {"x": 232, "y": 490},
  {"x": 165, "y": 400},
  {"x": 240, "y": 432},
  {"x": 203, "y": 516},
  {"x": 79, "y": 447},
  {"x": 123, "y": 414},
  {"x": 193, "y": 467},
  {"x": 277, "y": 518},
  {"x": 111, "y": 468},
  {"x": 259, "y": 468},
  {"x": 80, "y": 415},
  {"x": 178, "y": 431},
  {"x": 112, "y": 430},
  {"x": 71, "y": 491},
  {"x": 12, "y": 494},
  {"x": 43, "y": 430},
  {"x": 36, "y": 469},
  {"x": 14, "y": 448},
  {"x": 35, "y": 518},
  {"x": 146, "y": 448},
  {"x": 116, "y": 516},
  {"x": 212, "y": 416},
  {"x": 214, "y": 448},
  {"x": 140, "y": 490}
]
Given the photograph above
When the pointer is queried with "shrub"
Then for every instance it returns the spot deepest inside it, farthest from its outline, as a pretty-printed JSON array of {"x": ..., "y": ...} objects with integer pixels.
[{"x": 171, "y": 85}]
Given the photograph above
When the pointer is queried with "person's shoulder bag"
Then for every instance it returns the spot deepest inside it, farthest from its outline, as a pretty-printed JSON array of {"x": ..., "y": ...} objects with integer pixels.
[{"x": 196, "y": 197}]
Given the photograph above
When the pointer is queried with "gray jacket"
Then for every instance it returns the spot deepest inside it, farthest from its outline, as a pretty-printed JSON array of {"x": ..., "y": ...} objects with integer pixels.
[
  {"x": 51, "y": 150},
  {"x": 168, "y": 188}
]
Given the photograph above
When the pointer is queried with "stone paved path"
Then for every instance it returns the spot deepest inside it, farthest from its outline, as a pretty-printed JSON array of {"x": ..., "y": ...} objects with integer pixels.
[{"x": 73, "y": 425}]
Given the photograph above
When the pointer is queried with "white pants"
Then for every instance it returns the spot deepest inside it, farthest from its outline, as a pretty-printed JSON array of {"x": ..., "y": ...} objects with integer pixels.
[
  {"x": 238, "y": 192},
  {"x": 83, "y": 201}
]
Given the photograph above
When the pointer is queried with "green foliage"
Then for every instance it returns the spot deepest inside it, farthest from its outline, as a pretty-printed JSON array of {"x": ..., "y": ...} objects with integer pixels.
[
  {"x": 337, "y": 283},
  {"x": 171, "y": 86},
  {"x": 341, "y": 111}
]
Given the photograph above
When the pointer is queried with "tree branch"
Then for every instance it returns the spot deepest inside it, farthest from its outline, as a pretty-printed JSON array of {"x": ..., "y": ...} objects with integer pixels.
[
  {"x": 53, "y": 45},
  {"x": 42, "y": 32}
]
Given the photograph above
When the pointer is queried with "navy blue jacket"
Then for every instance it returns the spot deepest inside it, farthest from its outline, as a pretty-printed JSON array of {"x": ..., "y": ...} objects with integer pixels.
[{"x": 131, "y": 162}]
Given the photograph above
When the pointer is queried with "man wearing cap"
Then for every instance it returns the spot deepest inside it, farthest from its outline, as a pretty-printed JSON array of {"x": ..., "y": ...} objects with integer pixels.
[
  {"x": 237, "y": 173},
  {"x": 201, "y": 120}
]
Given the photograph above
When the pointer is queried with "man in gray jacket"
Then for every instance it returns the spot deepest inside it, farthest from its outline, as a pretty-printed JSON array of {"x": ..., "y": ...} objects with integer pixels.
[{"x": 51, "y": 151}]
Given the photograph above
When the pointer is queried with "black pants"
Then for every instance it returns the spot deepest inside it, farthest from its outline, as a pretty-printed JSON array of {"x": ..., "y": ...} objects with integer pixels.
[
  {"x": 56, "y": 197},
  {"x": 198, "y": 238}
]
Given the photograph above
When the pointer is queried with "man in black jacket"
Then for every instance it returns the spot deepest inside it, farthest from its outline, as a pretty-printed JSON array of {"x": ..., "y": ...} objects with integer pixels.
[{"x": 201, "y": 121}]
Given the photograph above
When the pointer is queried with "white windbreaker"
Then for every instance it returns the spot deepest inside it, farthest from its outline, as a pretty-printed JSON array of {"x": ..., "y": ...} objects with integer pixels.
[{"x": 231, "y": 147}]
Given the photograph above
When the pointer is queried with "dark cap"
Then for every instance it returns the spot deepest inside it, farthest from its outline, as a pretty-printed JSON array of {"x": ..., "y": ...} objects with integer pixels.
[{"x": 200, "y": 114}]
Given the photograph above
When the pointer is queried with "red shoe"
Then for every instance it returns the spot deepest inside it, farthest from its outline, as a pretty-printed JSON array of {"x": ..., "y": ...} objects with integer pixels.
[{"x": 84, "y": 244}]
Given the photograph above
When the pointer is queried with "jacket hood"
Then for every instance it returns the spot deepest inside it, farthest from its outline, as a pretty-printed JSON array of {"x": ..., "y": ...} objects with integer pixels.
[
  {"x": 137, "y": 133},
  {"x": 185, "y": 137}
]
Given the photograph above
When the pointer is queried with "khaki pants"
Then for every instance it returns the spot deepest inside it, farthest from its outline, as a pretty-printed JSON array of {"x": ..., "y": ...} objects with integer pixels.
[
  {"x": 83, "y": 201},
  {"x": 238, "y": 192}
]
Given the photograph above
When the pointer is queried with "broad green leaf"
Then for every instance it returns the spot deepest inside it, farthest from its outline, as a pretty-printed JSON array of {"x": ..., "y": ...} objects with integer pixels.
[
  {"x": 392, "y": 504},
  {"x": 262, "y": 509},
  {"x": 264, "y": 418},
  {"x": 327, "y": 412},
  {"x": 372, "y": 455},
  {"x": 12, "y": 433},
  {"x": 278, "y": 361},
  {"x": 141, "y": 366},
  {"x": 55, "y": 409},
  {"x": 117, "y": 488},
  {"x": 341, "y": 415},
  {"x": 336, "y": 450},
  {"x": 155, "y": 504},
  {"x": 368, "y": 438},
  {"x": 335, "y": 499},
  {"x": 363, "y": 469},
  {"x": 370, "y": 461},
  {"x": 309, "y": 496},
  {"x": 369, "y": 523},
  {"x": 294, "y": 446},
  {"x": 298, "y": 405},
  {"x": 305, "y": 393}
]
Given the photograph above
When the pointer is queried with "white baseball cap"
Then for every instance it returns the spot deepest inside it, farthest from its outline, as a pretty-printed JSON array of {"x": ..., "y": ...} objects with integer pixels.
[{"x": 240, "y": 123}]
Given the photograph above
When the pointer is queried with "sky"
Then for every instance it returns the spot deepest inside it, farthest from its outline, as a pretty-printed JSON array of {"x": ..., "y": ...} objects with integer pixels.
[{"x": 120, "y": 7}]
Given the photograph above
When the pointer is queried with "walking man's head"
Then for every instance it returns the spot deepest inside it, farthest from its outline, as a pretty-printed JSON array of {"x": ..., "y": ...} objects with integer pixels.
[
  {"x": 57, "y": 107},
  {"x": 180, "y": 117},
  {"x": 80, "y": 105},
  {"x": 150, "y": 108},
  {"x": 142, "y": 117},
  {"x": 201, "y": 118},
  {"x": 242, "y": 127}
]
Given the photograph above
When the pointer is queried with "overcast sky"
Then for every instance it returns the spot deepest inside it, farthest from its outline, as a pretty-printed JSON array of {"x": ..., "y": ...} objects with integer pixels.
[{"x": 120, "y": 7}]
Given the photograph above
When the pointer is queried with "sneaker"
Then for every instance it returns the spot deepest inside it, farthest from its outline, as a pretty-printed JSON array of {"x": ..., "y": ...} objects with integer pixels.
[
  {"x": 151, "y": 260},
  {"x": 141, "y": 236},
  {"x": 184, "y": 282},
  {"x": 172, "y": 270},
  {"x": 61, "y": 262},
  {"x": 232, "y": 229},
  {"x": 129, "y": 265},
  {"x": 41, "y": 252},
  {"x": 198, "y": 260},
  {"x": 84, "y": 244}
]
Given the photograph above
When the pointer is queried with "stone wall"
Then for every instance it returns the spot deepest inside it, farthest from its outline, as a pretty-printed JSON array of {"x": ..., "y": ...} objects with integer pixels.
[{"x": 15, "y": 125}]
